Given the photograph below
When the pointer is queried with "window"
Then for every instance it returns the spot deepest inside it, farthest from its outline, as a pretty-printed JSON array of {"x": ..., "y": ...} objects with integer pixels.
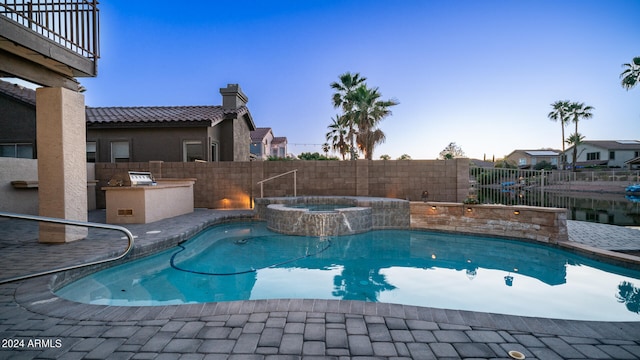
[
  {"x": 612, "y": 155},
  {"x": 636, "y": 154},
  {"x": 91, "y": 151},
  {"x": 593, "y": 156},
  {"x": 192, "y": 150},
  {"x": 256, "y": 149},
  {"x": 23, "y": 151},
  {"x": 522, "y": 161},
  {"x": 119, "y": 151}
]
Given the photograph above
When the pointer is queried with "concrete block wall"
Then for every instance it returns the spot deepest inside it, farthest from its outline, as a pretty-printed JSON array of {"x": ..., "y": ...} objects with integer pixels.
[
  {"x": 235, "y": 184},
  {"x": 548, "y": 225}
]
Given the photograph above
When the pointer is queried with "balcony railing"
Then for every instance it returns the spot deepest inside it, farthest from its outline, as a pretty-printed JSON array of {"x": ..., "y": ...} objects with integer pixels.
[{"x": 74, "y": 24}]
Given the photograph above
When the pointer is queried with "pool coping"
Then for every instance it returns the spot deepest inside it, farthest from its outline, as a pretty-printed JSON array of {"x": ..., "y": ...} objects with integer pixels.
[{"x": 36, "y": 296}]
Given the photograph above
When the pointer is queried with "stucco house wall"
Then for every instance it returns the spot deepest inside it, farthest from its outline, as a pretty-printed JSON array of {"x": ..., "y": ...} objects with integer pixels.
[
  {"x": 17, "y": 115},
  {"x": 623, "y": 150},
  {"x": 530, "y": 158},
  {"x": 147, "y": 144}
]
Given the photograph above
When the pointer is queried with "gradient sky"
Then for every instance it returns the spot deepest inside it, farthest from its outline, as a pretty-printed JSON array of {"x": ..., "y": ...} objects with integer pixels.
[{"x": 479, "y": 73}]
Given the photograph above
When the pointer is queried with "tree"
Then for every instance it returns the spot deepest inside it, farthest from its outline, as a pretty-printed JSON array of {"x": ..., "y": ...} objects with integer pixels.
[
  {"x": 560, "y": 113},
  {"x": 366, "y": 112},
  {"x": 362, "y": 111},
  {"x": 544, "y": 165},
  {"x": 404, "y": 157},
  {"x": 348, "y": 83},
  {"x": 325, "y": 149},
  {"x": 385, "y": 157},
  {"x": 337, "y": 135},
  {"x": 504, "y": 164},
  {"x": 452, "y": 151},
  {"x": 578, "y": 111},
  {"x": 631, "y": 74},
  {"x": 575, "y": 140},
  {"x": 315, "y": 156}
]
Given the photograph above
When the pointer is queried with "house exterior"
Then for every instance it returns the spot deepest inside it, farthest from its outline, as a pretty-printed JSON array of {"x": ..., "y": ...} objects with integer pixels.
[
  {"x": 261, "y": 143},
  {"x": 139, "y": 134},
  {"x": 608, "y": 153},
  {"x": 527, "y": 159},
  {"x": 279, "y": 146},
  {"x": 264, "y": 144},
  {"x": 17, "y": 121}
]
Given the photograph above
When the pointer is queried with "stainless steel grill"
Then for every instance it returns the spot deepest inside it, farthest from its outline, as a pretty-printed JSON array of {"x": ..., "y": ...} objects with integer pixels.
[{"x": 141, "y": 178}]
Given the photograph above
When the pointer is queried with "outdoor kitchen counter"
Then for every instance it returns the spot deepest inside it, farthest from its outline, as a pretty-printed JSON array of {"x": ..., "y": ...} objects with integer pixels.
[{"x": 148, "y": 203}]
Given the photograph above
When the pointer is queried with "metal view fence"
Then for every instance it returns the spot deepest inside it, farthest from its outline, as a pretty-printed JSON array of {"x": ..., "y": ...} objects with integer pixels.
[
  {"x": 70, "y": 23},
  {"x": 541, "y": 187}
]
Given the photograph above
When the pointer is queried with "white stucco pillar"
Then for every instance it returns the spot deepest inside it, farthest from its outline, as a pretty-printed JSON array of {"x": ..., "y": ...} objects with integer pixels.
[{"x": 62, "y": 163}]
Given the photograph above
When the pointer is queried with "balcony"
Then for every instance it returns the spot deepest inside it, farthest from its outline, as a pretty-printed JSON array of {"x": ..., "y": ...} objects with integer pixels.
[{"x": 49, "y": 42}]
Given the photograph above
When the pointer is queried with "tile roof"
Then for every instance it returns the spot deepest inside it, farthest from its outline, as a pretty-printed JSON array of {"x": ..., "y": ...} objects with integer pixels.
[
  {"x": 542, "y": 152},
  {"x": 18, "y": 92},
  {"x": 614, "y": 144},
  {"x": 610, "y": 144},
  {"x": 259, "y": 133},
  {"x": 279, "y": 140},
  {"x": 159, "y": 114}
]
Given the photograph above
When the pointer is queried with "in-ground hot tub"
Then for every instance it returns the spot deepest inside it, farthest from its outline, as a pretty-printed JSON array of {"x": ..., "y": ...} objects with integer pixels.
[{"x": 332, "y": 215}]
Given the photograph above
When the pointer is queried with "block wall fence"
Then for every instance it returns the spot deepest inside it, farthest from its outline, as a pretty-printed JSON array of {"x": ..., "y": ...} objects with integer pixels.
[{"x": 234, "y": 185}]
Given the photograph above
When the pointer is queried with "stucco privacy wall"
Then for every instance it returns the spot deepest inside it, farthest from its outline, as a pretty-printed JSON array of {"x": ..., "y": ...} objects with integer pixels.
[{"x": 234, "y": 184}]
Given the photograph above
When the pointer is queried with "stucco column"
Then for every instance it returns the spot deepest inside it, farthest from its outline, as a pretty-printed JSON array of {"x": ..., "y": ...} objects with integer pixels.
[{"x": 62, "y": 163}]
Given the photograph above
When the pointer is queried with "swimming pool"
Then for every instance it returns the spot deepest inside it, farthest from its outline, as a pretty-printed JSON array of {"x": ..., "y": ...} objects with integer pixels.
[{"x": 243, "y": 261}]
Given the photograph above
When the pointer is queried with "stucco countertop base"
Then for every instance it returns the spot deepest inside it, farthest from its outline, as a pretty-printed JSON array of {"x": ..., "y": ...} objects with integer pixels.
[{"x": 145, "y": 204}]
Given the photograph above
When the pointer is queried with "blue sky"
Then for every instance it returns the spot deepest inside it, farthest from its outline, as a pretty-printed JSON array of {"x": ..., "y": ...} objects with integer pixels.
[{"x": 479, "y": 73}]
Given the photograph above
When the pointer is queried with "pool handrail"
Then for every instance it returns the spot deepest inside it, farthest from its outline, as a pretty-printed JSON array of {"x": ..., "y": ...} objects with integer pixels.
[
  {"x": 128, "y": 234},
  {"x": 295, "y": 185}
]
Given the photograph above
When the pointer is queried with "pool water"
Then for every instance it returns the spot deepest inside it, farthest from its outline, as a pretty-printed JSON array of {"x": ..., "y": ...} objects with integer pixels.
[{"x": 243, "y": 261}]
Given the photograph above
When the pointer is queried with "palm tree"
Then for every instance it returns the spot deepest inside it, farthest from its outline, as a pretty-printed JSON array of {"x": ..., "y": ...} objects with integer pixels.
[
  {"x": 337, "y": 134},
  {"x": 368, "y": 140},
  {"x": 631, "y": 75},
  {"x": 560, "y": 113},
  {"x": 348, "y": 83},
  {"x": 576, "y": 112},
  {"x": 574, "y": 140},
  {"x": 325, "y": 149},
  {"x": 366, "y": 112}
]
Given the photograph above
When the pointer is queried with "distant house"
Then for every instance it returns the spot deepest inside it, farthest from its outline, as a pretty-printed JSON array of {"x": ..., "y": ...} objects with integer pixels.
[
  {"x": 17, "y": 121},
  {"x": 608, "y": 153},
  {"x": 528, "y": 159},
  {"x": 264, "y": 144},
  {"x": 139, "y": 134},
  {"x": 279, "y": 146},
  {"x": 173, "y": 133}
]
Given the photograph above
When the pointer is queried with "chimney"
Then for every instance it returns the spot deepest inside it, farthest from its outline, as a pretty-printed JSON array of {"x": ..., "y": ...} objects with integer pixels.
[{"x": 233, "y": 97}]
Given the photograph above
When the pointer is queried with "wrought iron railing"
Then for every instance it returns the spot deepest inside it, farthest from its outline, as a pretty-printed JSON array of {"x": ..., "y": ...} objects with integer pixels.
[
  {"x": 542, "y": 188},
  {"x": 73, "y": 24}
]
